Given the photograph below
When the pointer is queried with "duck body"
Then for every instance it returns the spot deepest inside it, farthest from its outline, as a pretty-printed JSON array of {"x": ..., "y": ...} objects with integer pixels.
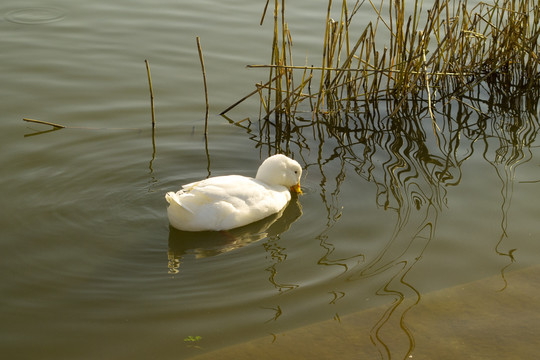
[{"x": 227, "y": 202}]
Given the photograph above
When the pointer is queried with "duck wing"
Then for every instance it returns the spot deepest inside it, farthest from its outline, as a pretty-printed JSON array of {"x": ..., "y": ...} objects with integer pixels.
[{"x": 226, "y": 202}]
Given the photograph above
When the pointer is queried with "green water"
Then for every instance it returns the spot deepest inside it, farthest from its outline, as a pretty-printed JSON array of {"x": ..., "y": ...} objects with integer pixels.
[{"x": 90, "y": 268}]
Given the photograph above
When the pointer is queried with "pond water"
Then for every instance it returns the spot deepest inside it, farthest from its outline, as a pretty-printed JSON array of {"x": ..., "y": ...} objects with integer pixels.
[{"x": 90, "y": 267}]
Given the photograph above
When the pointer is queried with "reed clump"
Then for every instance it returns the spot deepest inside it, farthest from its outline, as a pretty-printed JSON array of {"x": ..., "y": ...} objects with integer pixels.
[{"x": 423, "y": 55}]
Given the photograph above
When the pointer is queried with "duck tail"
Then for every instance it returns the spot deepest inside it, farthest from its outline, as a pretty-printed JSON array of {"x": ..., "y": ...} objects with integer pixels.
[
  {"x": 170, "y": 197},
  {"x": 173, "y": 200}
]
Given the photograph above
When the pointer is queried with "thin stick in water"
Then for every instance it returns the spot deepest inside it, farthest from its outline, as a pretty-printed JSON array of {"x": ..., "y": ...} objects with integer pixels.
[
  {"x": 245, "y": 97},
  {"x": 151, "y": 94},
  {"x": 58, "y": 126},
  {"x": 205, "y": 87}
]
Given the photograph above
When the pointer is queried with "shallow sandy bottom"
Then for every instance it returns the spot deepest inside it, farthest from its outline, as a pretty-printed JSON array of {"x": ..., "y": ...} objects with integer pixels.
[{"x": 481, "y": 320}]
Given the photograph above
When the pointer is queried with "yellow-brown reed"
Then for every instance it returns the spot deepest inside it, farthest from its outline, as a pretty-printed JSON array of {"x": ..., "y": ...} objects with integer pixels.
[
  {"x": 56, "y": 126},
  {"x": 151, "y": 94},
  {"x": 430, "y": 56},
  {"x": 205, "y": 86}
]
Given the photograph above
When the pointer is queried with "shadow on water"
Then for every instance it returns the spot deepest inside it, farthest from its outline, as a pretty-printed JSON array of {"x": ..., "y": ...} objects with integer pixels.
[
  {"x": 212, "y": 243},
  {"x": 412, "y": 168}
]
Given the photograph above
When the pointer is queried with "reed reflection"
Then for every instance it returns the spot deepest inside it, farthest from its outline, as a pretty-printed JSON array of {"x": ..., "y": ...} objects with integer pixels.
[
  {"x": 515, "y": 132},
  {"x": 211, "y": 243},
  {"x": 332, "y": 169},
  {"x": 413, "y": 169}
]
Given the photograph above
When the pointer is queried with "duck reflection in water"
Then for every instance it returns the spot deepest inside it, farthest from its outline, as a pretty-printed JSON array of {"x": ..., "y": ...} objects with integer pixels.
[{"x": 211, "y": 243}]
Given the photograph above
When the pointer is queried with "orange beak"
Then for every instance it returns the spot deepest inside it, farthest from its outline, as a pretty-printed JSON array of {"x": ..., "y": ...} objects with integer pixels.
[{"x": 296, "y": 188}]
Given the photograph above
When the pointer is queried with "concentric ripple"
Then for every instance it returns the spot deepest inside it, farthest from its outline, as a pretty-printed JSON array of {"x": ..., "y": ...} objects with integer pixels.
[{"x": 35, "y": 15}]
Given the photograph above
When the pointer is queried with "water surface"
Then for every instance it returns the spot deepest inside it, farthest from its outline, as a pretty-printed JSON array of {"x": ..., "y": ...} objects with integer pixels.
[{"x": 90, "y": 268}]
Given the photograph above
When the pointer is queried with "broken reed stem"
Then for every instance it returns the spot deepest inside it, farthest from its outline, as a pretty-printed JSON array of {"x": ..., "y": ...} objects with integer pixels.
[
  {"x": 151, "y": 94},
  {"x": 371, "y": 71},
  {"x": 205, "y": 87},
  {"x": 58, "y": 126},
  {"x": 245, "y": 97},
  {"x": 296, "y": 93},
  {"x": 264, "y": 12}
]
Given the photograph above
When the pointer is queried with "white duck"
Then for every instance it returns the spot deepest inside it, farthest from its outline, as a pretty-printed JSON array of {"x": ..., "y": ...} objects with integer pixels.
[{"x": 227, "y": 202}]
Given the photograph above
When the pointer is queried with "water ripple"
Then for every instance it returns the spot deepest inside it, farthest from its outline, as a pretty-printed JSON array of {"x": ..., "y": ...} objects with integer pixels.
[{"x": 35, "y": 15}]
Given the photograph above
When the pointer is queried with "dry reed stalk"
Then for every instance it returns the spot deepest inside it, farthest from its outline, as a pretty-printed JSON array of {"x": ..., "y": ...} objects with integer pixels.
[
  {"x": 245, "y": 97},
  {"x": 205, "y": 86},
  {"x": 449, "y": 49},
  {"x": 151, "y": 94},
  {"x": 297, "y": 92},
  {"x": 264, "y": 12},
  {"x": 57, "y": 126}
]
